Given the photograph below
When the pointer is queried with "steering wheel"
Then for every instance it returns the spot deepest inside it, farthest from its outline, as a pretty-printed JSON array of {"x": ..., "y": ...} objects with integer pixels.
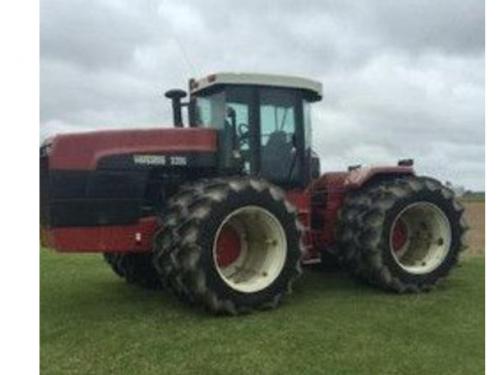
[{"x": 244, "y": 133}]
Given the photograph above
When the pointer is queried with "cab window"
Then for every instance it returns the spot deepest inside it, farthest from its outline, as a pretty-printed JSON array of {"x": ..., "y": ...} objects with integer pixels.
[
  {"x": 210, "y": 110},
  {"x": 278, "y": 126}
]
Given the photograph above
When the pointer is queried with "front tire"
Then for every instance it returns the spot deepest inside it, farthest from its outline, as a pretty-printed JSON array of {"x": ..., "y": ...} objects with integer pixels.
[
  {"x": 233, "y": 245},
  {"x": 136, "y": 269},
  {"x": 403, "y": 234}
]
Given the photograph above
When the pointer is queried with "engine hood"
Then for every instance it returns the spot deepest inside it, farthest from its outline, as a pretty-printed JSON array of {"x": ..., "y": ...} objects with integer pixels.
[{"x": 82, "y": 151}]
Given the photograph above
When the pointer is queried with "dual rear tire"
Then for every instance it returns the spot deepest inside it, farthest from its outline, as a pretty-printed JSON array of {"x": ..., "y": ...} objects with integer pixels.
[
  {"x": 230, "y": 245},
  {"x": 403, "y": 234}
]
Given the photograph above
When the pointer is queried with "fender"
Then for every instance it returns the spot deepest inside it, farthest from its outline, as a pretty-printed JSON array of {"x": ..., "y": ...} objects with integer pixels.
[{"x": 357, "y": 178}]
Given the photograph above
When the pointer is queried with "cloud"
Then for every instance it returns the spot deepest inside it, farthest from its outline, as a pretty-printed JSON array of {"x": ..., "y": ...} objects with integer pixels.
[{"x": 401, "y": 78}]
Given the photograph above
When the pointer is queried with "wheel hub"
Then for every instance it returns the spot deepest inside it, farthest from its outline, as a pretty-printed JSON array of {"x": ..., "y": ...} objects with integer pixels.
[
  {"x": 250, "y": 249},
  {"x": 399, "y": 235},
  {"x": 420, "y": 238},
  {"x": 228, "y": 246}
]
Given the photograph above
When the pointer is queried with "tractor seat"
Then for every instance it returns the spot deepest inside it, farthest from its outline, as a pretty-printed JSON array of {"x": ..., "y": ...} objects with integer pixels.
[{"x": 277, "y": 157}]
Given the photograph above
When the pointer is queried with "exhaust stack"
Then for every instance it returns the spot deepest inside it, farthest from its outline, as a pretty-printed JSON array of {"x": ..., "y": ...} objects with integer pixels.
[{"x": 176, "y": 95}]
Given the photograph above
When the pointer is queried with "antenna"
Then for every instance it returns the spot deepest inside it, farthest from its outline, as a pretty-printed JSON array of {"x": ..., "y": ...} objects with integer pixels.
[{"x": 187, "y": 60}]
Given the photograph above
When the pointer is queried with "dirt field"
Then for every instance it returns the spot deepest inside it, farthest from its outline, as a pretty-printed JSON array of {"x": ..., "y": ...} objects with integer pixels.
[{"x": 475, "y": 217}]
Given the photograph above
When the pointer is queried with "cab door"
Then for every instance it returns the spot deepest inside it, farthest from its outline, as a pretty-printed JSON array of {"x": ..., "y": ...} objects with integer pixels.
[{"x": 281, "y": 138}]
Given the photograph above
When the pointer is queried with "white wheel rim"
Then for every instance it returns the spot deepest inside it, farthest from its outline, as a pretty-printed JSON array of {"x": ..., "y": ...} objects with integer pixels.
[
  {"x": 428, "y": 238},
  {"x": 263, "y": 249}
]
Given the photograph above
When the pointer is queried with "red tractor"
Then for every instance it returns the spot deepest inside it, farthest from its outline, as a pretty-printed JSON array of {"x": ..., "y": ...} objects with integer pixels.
[{"x": 225, "y": 211}]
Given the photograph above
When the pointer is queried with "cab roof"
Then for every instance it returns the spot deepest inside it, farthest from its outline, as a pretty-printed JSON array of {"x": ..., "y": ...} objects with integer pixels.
[{"x": 313, "y": 88}]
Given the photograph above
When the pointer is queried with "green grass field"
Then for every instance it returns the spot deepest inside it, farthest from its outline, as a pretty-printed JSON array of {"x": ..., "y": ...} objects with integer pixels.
[
  {"x": 478, "y": 196},
  {"x": 91, "y": 322}
]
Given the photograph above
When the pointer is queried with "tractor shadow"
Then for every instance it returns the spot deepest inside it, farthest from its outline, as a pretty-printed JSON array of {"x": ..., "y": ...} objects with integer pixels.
[
  {"x": 313, "y": 285},
  {"x": 109, "y": 297}
]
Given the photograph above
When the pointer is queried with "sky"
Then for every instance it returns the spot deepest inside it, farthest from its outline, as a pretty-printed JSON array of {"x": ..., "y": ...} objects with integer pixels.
[{"x": 401, "y": 79}]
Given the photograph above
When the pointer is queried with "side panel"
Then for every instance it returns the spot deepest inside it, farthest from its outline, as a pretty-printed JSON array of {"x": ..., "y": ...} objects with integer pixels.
[
  {"x": 118, "y": 190},
  {"x": 136, "y": 237}
]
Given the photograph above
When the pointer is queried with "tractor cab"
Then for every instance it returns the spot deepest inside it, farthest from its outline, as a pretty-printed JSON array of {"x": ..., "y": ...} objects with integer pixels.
[{"x": 263, "y": 123}]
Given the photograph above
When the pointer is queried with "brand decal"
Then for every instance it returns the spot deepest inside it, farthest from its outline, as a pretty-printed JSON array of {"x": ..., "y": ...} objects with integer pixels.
[
  {"x": 150, "y": 159},
  {"x": 160, "y": 160},
  {"x": 178, "y": 160}
]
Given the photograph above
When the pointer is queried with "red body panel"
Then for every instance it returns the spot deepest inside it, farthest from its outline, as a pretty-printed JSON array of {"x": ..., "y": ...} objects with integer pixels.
[
  {"x": 81, "y": 151},
  {"x": 125, "y": 238}
]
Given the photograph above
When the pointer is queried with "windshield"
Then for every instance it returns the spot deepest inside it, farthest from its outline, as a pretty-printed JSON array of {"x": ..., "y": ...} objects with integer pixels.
[
  {"x": 229, "y": 112},
  {"x": 210, "y": 111}
]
